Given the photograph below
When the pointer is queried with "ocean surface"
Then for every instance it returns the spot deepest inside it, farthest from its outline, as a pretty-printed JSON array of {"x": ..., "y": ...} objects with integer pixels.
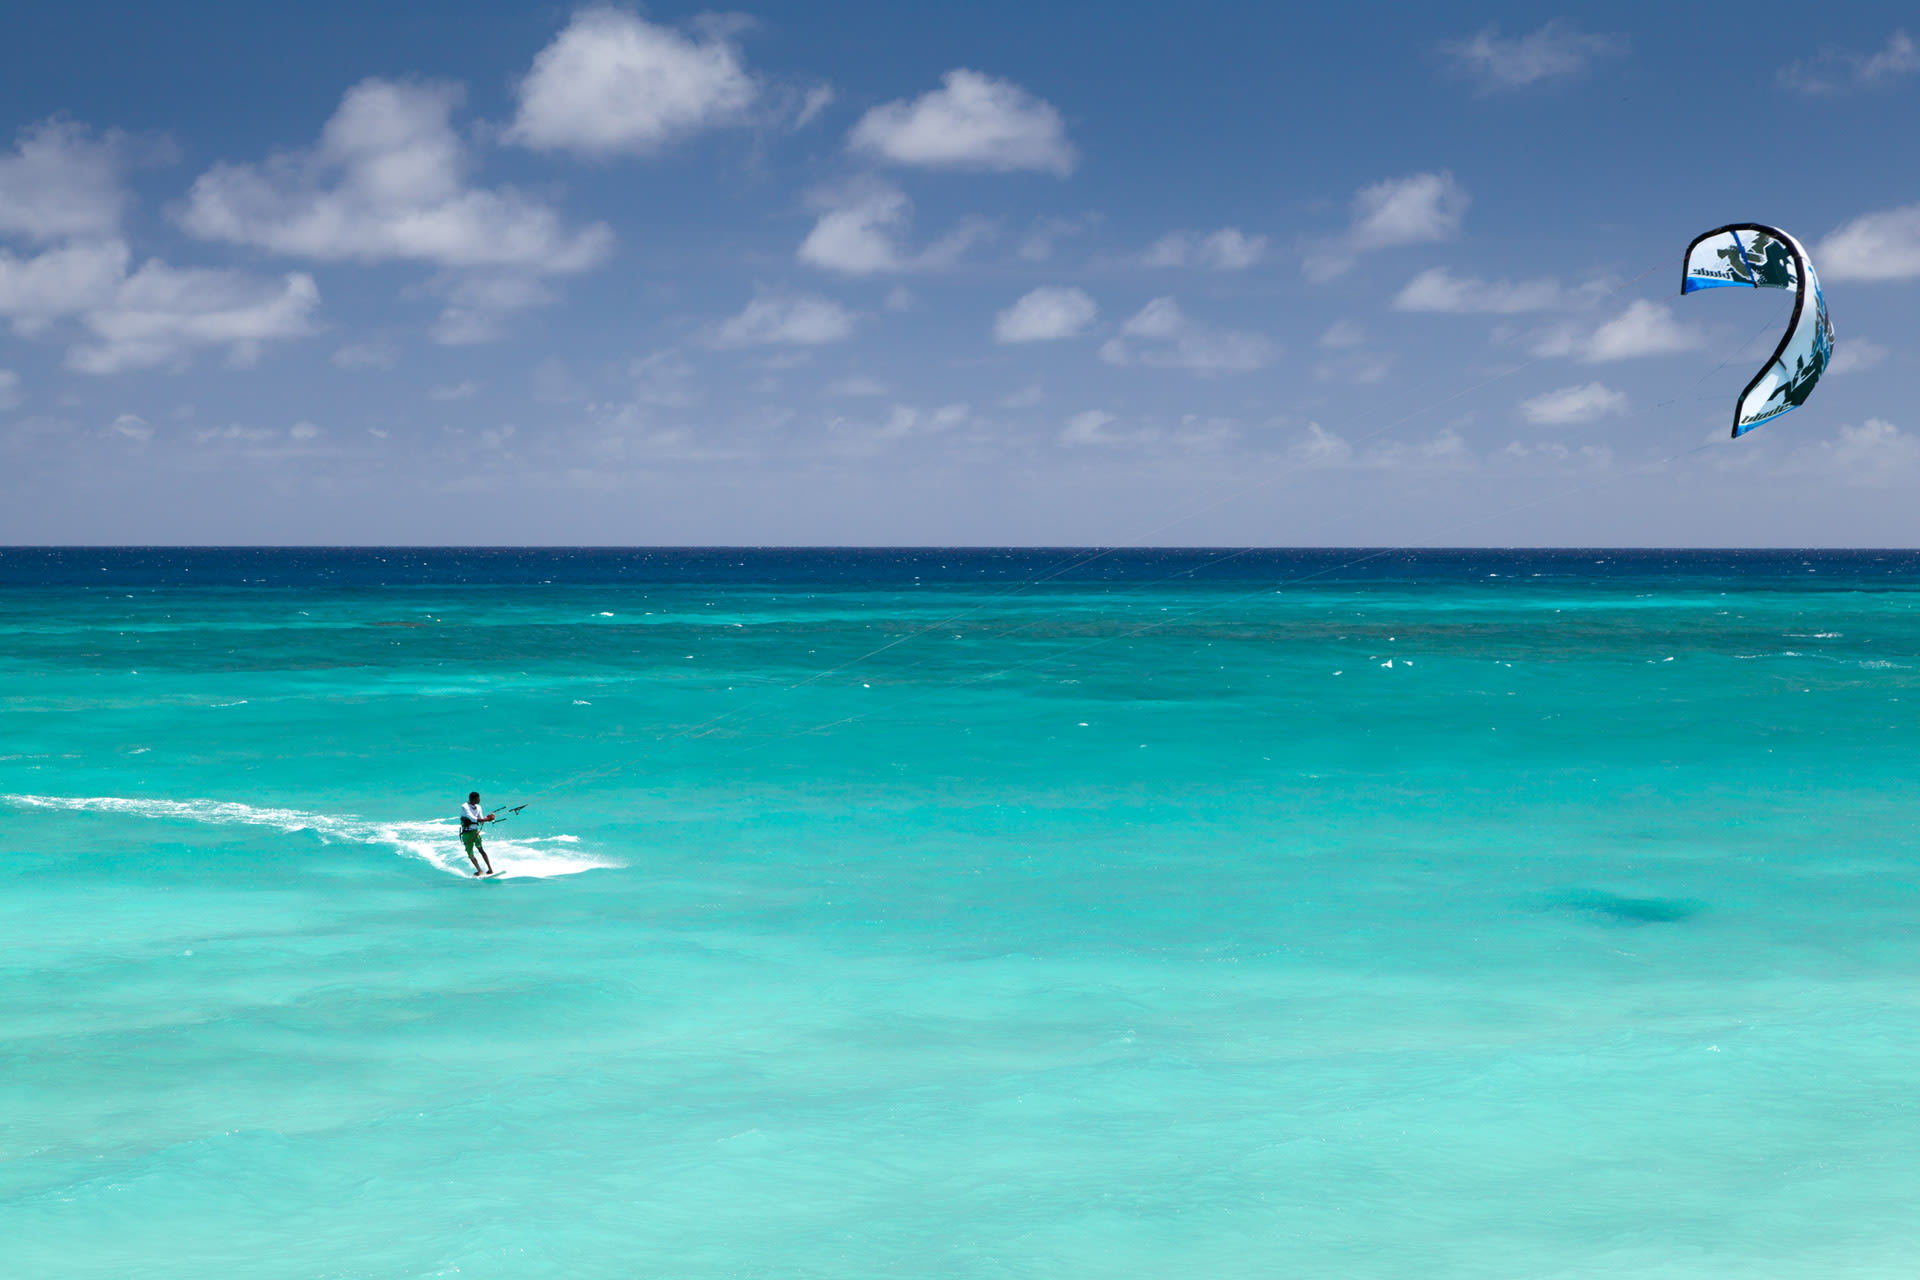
[{"x": 959, "y": 913}]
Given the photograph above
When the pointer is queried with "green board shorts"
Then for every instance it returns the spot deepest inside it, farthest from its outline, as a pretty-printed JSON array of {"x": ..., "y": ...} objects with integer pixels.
[{"x": 471, "y": 839}]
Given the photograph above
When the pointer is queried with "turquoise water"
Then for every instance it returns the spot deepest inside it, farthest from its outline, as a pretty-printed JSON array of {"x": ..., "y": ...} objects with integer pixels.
[{"x": 1464, "y": 915}]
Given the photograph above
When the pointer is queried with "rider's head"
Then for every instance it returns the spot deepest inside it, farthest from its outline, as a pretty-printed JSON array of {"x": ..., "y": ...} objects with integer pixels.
[{"x": 473, "y": 797}]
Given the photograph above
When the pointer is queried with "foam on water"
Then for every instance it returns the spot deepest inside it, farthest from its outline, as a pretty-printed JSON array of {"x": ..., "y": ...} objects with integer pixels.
[{"x": 433, "y": 841}]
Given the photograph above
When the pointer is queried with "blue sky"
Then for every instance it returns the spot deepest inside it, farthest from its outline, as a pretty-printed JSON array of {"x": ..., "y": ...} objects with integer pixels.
[{"x": 995, "y": 273}]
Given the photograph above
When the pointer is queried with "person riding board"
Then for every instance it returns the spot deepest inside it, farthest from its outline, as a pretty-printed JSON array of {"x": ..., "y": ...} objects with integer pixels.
[{"x": 471, "y": 820}]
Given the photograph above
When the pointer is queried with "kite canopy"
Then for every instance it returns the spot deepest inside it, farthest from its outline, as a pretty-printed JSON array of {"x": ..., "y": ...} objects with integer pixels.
[{"x": 1747, "y": 255}]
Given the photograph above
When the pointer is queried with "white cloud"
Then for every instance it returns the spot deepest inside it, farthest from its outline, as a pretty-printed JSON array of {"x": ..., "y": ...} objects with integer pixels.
[
  {"x": 812, "y": 103},
  {"x": 1875, "y": 246},
  {"x": 1320, "y": 447},
  {"x": 1414, "y": 210},
  {"x": 10, "y": 397},
  {"x": 59, "y": 182},
  {"x": 158, "y": 315},
  {"x": 1437, "y": 289},
  {"x": 1645, "y": 328},
  {"x": 1418, "y": 209},
  {"x": 387, "y": 182},
  {"x": 1228, "y": 249},
  {"x": 856, "y": 386},
  {"x": 60, "y": 282},
  {"x": 1343, "y": 335},
  {"x": 1875, "y": 454},
  {"x": 1045, "y": 314},
  {"x": 366, "y": 355},
  {"x": 155, "y": 316},
  {"x": 973, "y": 122},
  {"x": 906, "y": 421},
  {"x": 457, "y": 391},
  {"x": 1089, "y": 428},
  {"x": 1825, "y": 73},
  {"x": 478, "y": 303},
  {"x": 1571, "y": 405},
  {"x": 1164, "y": 337},
  {"x": 1856, "y": 354},
  {"x": 133, "y": 427},
  {"x": 804, "y": 320},
  {"x": 614, "y": 83},
  {"x": 1556, "y": 49},
  {"x": 1024, "y": 398},
  {"x": 861, "y": 229}
]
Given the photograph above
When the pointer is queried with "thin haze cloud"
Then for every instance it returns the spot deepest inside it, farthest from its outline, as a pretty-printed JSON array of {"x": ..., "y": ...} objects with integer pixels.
[{"x": 1558, "y": 49}]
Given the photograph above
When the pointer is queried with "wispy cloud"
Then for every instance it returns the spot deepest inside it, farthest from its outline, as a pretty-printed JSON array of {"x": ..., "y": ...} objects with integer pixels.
[
  {"x": 1501, "y": 64},
  {"x": 1836, "y": 69},
  {"x": 1161, "y": 335},
  {"x": 1572, "y": 405},
  {"x": 1228, "y": 249},
  {"x": 1438, "y": 289},
  {"x": 803, "y": 320}
]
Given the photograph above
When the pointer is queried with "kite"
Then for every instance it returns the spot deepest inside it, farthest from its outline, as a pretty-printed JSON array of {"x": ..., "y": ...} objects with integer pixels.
[{"x": 1747, "y": 255}]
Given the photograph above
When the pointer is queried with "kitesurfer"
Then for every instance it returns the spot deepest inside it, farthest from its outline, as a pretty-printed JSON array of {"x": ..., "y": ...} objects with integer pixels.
[{"x": 471, "y": 820}]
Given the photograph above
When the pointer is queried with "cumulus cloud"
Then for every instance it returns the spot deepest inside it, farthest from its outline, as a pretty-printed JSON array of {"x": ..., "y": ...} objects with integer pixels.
[
  {"x": 10, "y": 395},
  {"x": 1413, "y": 210},
  {"x": 1875, "y": 246},
  {"x": 1570, "y": 405},
  {"x": 972, "y": 122},
  {"x": 1044, "y": 315},
  {"x": 59, "y": 282},
  {"x": 387, "y": 182},
  {"x": 1419, "y": 209},
  {"x": 1437, "y": 289},
  {"x": 1645, "y": 328},
  {"x": 60, "y": 182},
  {"x": 1162, "y": 336},
  {"x": 158, "y": 315},
  {"x": 613, "y": 83},
  {"x": 861, "y": 231},
  {"x": 1557, "y": 49},
  {"x": 804, "y": 320},
  {"x": 1837, "y": 68},
  {"x": 1228, "y": 249}
]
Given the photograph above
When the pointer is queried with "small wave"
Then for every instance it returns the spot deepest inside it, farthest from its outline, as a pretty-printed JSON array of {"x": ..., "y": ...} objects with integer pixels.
[{"x": 435, "y": 841}]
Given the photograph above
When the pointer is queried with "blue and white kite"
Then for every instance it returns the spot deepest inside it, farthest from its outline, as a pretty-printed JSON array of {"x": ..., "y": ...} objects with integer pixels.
[{"x": 1747, "y": 255}]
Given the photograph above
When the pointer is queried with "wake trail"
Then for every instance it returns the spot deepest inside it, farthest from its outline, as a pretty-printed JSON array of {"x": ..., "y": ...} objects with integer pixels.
[{"x": 434, "y": 841}]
